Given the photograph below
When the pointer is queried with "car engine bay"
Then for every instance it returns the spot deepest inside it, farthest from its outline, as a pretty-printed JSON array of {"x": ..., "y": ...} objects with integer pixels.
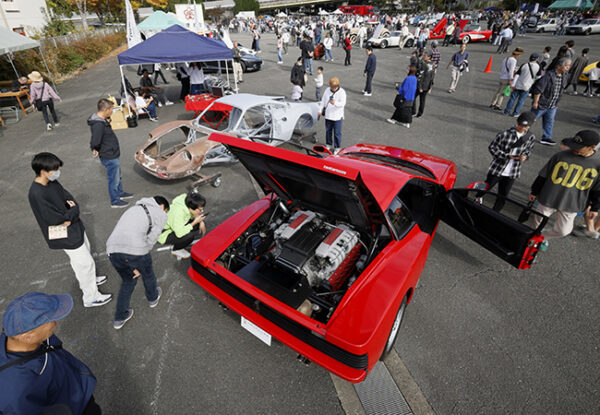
[{"x": 301, "y": 257}]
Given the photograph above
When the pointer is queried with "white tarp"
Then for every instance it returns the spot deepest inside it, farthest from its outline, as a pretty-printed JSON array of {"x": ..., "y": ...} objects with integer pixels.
[
  {"x": 246, "y": 15},
  {"x": 14, "y": 42}
]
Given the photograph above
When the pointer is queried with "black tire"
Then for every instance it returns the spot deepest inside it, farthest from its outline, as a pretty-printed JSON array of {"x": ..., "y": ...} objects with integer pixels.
[
  {"x": 541, "y": 30},
  {"x": 389, "y": 344},
  {"x": 588, "y": 32},
  {"x": 383, "y": 44},
  {"x": 466, "y": 39},
  {"x": 244, "y": 66},
  {"x": 216, "y": 182},
  {"x": 409, "y": 43}
]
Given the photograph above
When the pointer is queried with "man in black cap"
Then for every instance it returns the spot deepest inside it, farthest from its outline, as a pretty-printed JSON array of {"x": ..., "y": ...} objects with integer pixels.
[
  {"x": 36, "y": 373},
  {"x": 509, "y": 150},
  {"x": 569, "y": 183}
]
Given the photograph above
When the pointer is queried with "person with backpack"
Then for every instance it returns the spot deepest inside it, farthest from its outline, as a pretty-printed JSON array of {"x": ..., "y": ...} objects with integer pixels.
[
  {"x": 507, "y": 73},
  {"x": 42, "y": 96},
  {"x": 425, "y": 75},
  {"x": 523, "y": 81},
  {"x": 36, "y": 373},
  {"x": 128, "y": 248}
]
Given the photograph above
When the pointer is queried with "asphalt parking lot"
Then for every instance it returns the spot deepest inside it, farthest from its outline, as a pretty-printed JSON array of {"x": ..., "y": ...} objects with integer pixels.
[{"x": 478, "y": 337}]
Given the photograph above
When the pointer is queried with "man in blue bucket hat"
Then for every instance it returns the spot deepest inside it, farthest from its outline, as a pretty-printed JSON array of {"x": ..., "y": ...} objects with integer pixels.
[{"x": 36, "y": 373}]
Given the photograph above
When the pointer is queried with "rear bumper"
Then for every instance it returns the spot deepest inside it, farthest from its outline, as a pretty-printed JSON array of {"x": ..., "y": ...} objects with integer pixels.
[{"x": 349, "y": 366}]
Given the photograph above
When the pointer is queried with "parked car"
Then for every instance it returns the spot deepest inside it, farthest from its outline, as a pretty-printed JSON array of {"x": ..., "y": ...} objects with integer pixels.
[
  {"x": 250, "y": 63},
  {"x": 391, "y": 40},
  {"x": 474, "y": 33},
  {"x": 585, "y": 27},
  {"x": 328, "y": 261},
  {"x": 179, "y": 149},
  {"x": 547, "y": 25}
]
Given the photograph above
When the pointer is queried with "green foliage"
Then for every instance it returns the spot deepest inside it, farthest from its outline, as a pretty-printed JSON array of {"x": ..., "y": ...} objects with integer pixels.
[
  {"x": 246, "y": 6},
  {"x": 64, "y": 59}
]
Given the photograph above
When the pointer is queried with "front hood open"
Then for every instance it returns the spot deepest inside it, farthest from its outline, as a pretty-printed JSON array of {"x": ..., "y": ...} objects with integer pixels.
[{"x": 319, "y": 184}]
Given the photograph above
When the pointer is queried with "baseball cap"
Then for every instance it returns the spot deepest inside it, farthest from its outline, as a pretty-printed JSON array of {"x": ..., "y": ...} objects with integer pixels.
[
  {"x": 334, "y": 82},
  {"x": 583, "y": 138},
  {"x": 526, "y": 118},
  {"x": 34, "y": 309},
  {"x": 534, "y": 56},
  {"x": 517, "y": 51}
]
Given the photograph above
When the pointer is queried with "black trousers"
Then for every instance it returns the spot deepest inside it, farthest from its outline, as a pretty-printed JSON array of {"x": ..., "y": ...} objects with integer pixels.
[
  {"x": 185, "y": 88},
  {"x": 504, "y": 186},
  {"x": 48, "y": 105},
  {"x": 447, "y": 40},
  {"x": 184, "y": 241},
  {"x": 422, "y": 98},
  {"x": 159, "y": 72},
  {"x": 369, "y": 82},
  {"x": 347, "y": 59}
]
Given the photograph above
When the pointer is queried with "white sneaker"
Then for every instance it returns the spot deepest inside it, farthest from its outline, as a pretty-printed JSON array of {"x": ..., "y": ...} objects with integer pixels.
[
  {"x": 48, "y": 127},
  {"x": 169, "y": 103},
  {"x": 101, "y": 300},
  {"x": 181, "y": 254},
  {"x": 279, "y": 63},
  {"x": 405, "y": 125},
  {"x": 367, "y": 94},
  {"x": 159, "y": 104},
  {"x": 101, "y": 279},
  {"x": 57, "y": 124},
  {"x": 153, "y": 119},
  {"x": 391, "y": 121}
]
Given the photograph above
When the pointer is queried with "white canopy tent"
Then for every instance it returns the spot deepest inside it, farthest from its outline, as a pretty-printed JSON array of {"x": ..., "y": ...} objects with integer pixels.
[
  {"x": 11, "y": 42},
  {"x": 281, "y": 14},
  {"x": 323, "y": 13},
  {"x": 337, "y": 11}
]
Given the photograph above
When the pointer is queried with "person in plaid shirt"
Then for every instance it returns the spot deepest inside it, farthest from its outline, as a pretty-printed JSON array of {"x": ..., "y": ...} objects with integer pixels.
[{"x": 510, "y": 149}]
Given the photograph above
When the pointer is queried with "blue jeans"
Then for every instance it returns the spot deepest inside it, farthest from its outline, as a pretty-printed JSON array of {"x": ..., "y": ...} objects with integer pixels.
[
  {"x": 334, "y": 127},
  {"x": 115, "y": 186},
  {"x": 151, "y": 109},
  {"x": 328, "y": 53},
  {"x": 519, "y": 96},
  {"x": 279, "y": 55},
  {"x": 547, "y": 116},
  {"x": 307, "y": 63},
  {"x": 125, "y": 264}
]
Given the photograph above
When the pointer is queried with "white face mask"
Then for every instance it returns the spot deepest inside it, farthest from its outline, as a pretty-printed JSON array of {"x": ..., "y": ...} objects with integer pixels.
[{"x": 53, "y": 175}]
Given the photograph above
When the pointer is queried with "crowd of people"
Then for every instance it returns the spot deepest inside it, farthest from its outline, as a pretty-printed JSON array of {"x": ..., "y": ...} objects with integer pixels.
[{"x": 567, "y": 185}]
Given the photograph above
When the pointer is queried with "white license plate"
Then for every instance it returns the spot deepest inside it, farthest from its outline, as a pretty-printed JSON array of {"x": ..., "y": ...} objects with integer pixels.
[{"x": 257, "y": 331}]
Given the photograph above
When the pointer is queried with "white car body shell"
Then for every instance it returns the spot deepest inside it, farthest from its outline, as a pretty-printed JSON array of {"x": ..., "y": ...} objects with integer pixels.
[{"x": 585, "y": 27}]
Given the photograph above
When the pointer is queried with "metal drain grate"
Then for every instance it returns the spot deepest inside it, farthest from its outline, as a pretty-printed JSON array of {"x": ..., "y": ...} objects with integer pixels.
[{"x": 379, "y": 394}]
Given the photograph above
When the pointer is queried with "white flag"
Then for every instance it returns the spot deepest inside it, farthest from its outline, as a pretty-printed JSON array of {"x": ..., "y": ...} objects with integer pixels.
[
  {"x": 133, "y": 34},
  {"x": 198, "y": 19},
  {"x": 536, "y": 8}
]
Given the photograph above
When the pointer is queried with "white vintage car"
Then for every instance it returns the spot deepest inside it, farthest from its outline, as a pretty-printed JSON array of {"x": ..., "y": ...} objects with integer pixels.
[
  {"x": 391, "y": 40},
  {"x": 585, "y": 27},
  {"x": 547, "y": 25},
  {"x": 180, "y": 148}
]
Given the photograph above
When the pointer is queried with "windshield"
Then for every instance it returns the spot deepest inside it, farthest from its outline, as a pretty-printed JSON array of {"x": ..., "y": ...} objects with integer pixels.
[
  {"x": 588, "y": 22},
  {"x": 215, "y": 117},
  {"x": 471, "y": 27}
]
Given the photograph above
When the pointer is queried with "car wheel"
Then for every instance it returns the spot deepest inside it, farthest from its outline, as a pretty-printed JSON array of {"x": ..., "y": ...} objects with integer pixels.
[
  {"x": 588, "y": 32},
  {"x": 409, "y": 43},
  {"x": 466, "y": 39},
  {"x": 389, "y": 344},
  {"x": 216, "y": 182},
  {"x": 383, "y": 44},
  {"x": 541, "y": 30},
  {"x": 353, "y": 39},
  {"x": 244, "y": 66}
]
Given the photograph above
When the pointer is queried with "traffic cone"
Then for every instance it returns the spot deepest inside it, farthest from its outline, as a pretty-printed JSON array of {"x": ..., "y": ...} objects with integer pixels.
[{"x": 488, "y": 68}]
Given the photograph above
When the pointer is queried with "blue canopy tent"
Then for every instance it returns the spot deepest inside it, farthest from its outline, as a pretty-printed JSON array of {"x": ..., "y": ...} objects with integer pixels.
[{"x": 176, "y": 45}]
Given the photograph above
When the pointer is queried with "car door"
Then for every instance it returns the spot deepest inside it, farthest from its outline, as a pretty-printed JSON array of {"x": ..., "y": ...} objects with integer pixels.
[{"x": 509, "y": 233}]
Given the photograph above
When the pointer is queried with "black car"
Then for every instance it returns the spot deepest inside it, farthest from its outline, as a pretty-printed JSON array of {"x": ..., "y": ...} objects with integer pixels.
[{"x": 250, "y": 63}]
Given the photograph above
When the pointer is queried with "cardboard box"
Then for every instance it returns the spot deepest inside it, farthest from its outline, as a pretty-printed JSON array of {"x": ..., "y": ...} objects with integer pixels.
[{"x": 117, "y": 119}]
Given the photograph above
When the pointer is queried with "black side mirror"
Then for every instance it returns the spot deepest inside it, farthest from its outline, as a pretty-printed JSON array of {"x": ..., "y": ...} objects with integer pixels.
[{"x": 321, "y": 149}]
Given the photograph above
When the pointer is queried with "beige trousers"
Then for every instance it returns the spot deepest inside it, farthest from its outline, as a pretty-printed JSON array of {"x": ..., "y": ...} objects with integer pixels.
[
  {"x": 497, "y": 101},
  {"x": 563, "y": 225}
]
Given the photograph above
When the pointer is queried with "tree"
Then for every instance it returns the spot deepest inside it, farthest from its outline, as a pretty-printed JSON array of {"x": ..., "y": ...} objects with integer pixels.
[{"x": 246, "y": 6}]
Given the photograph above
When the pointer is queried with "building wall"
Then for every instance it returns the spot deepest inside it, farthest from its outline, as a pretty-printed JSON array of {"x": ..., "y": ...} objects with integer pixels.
[{"x": 23, "y": 16}]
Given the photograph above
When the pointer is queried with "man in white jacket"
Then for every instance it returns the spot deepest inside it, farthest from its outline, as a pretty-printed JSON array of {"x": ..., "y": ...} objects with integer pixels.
[
  {"x": 128, "y": 248},
  {"x": 332, "y": 107}
]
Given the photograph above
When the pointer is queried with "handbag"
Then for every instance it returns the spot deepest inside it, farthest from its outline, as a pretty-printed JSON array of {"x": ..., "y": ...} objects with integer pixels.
[
  {"x": 399, "y": 101},
  {"x": 507, "y": 91},
  {"x": 38, "y": 101}
]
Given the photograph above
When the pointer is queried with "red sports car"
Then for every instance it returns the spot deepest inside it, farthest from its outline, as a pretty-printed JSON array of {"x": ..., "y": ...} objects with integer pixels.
[
  {"x": 474, "y": 33},
  {"x": 328, "y": 261}
]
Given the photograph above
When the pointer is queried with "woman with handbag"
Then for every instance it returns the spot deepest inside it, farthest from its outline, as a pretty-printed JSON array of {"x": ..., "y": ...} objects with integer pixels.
[
  {"x": 404, "y": 100},
  {"x": 42, "y": 96}
]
